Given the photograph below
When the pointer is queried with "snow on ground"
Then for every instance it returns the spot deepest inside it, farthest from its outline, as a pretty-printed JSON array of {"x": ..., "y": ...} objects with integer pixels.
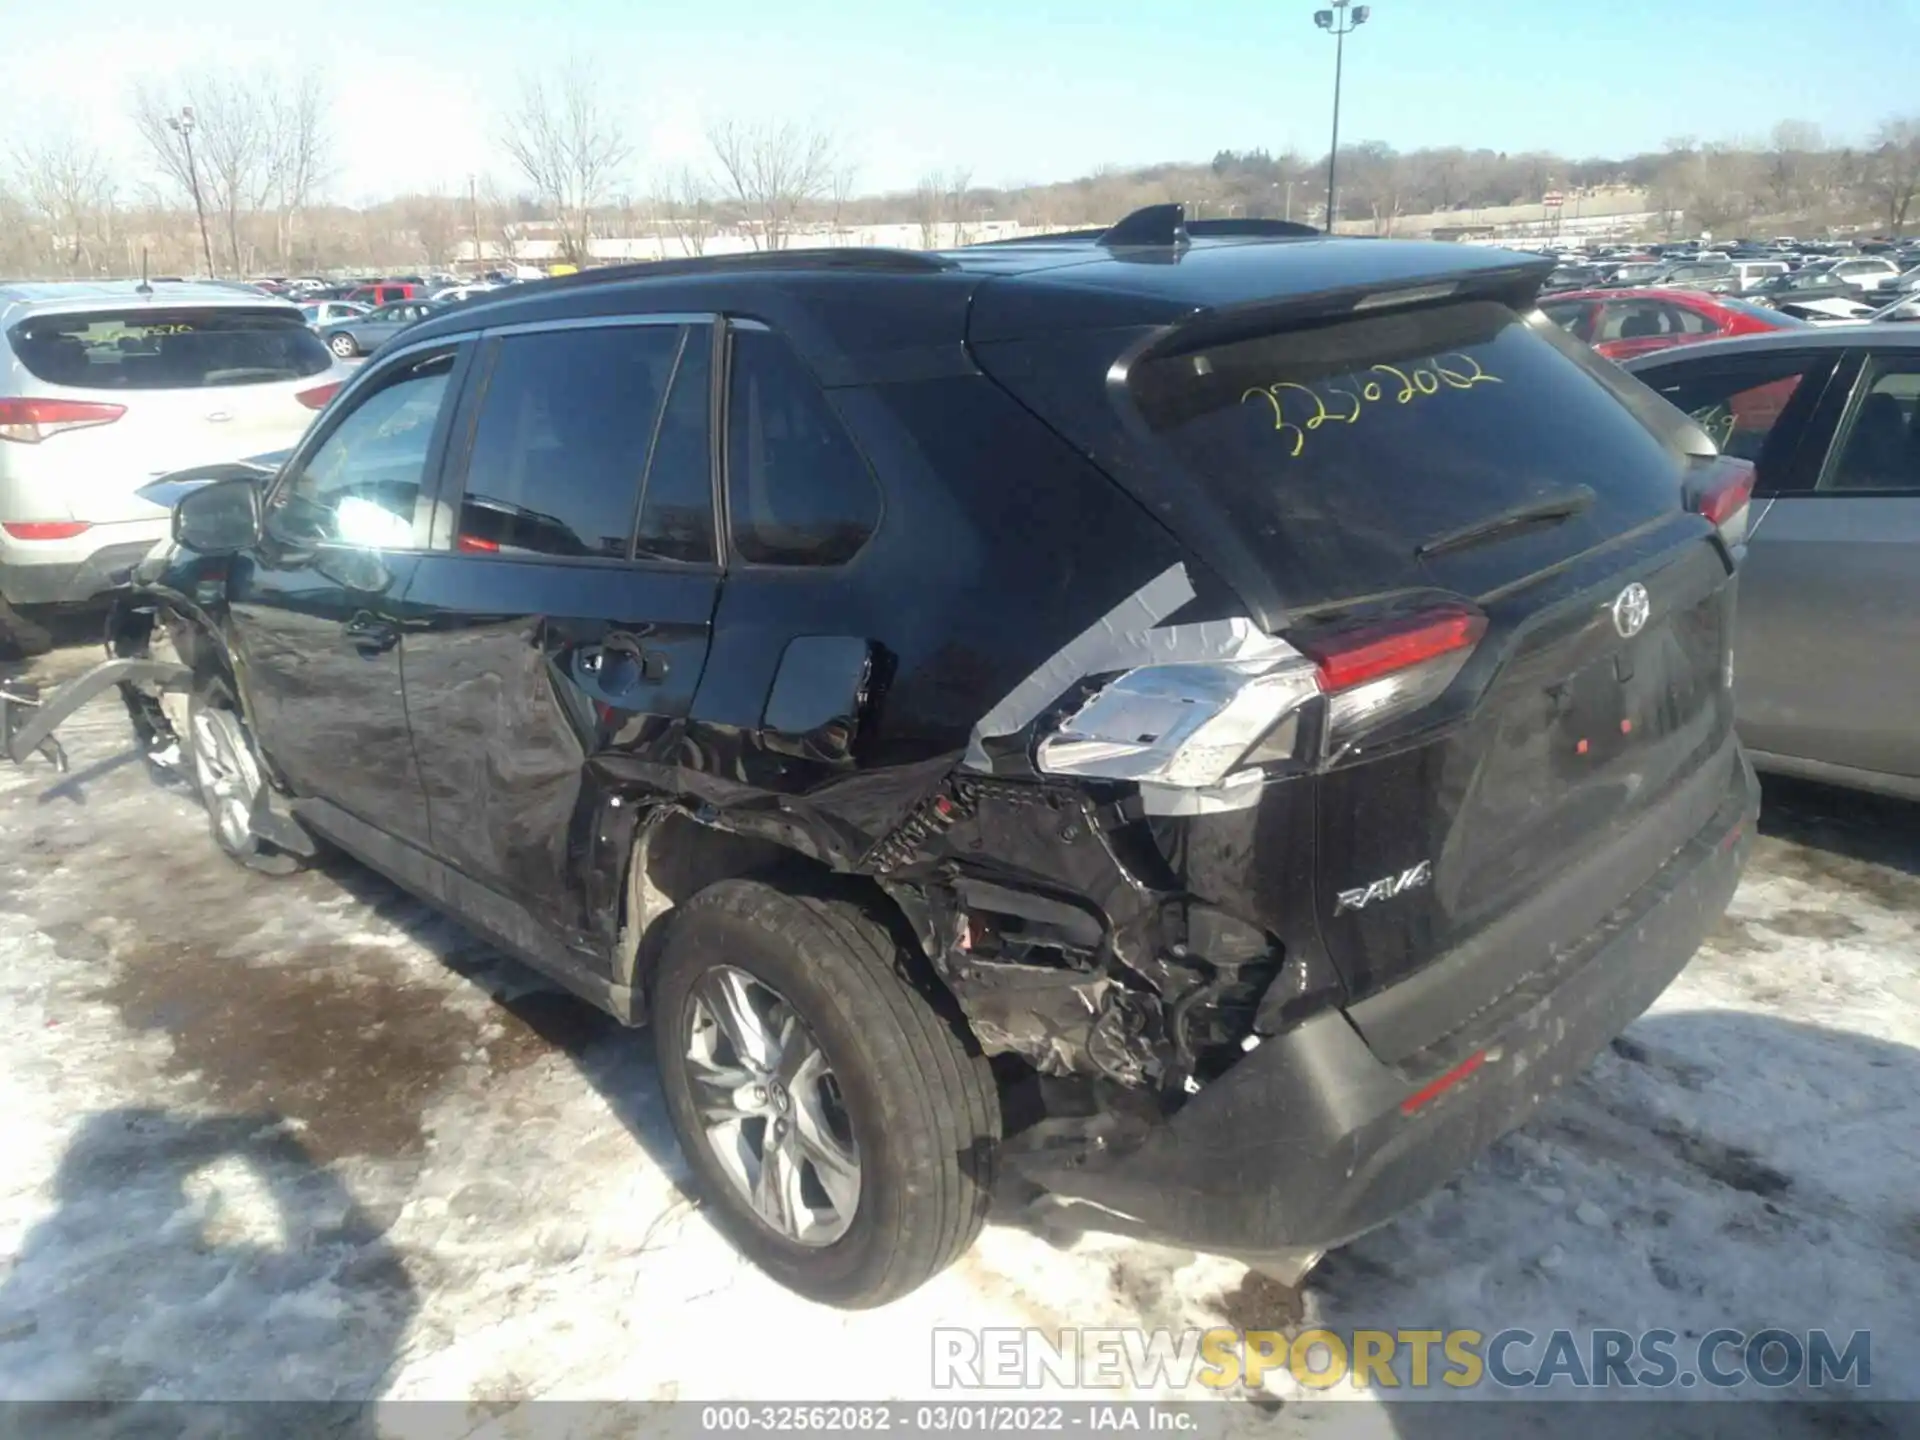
[{"x": 305, "y": 1138}]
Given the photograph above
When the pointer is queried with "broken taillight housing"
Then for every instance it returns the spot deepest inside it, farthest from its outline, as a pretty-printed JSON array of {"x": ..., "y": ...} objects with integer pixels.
[
  {"x": 1193, "y": 725},
  {"x": 1186, "y": 725}
]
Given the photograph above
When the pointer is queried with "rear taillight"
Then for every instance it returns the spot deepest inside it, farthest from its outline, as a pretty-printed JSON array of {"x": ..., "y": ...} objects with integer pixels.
[
  {"x": 1200, "y": 725},
  {"x": 1723, "y": 497},
  {"x": 28, "y": 421},
  {"x": 319, "y": 395},
  {"x": 45, "y": 529},
  {"x": 474, "y": 545},
  {"x": 1373, "y": 673}
]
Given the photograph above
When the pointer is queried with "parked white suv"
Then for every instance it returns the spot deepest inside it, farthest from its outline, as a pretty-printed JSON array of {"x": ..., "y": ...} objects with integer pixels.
[{"x": 106, "y": 386}]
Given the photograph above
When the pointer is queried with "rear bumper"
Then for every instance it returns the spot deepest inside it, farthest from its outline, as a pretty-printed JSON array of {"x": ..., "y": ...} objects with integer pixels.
[
  {"x": 68, "y": 572},
  {"x": 1312, "y": 1139}
]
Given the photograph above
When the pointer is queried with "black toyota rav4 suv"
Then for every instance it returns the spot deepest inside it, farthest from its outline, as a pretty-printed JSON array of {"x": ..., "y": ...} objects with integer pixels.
[{"x": 1213, "y": 720}]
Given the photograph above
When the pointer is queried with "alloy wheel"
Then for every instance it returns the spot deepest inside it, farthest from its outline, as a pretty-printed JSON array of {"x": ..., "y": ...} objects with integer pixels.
[
  {"x": 771, "y": 1107},
  {"x": 228, "y": 778}
]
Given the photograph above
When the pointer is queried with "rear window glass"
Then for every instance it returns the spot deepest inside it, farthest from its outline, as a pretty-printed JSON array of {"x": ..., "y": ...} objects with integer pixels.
[
  {"x": 168, "y": 349},
  {"x": 1341, "y": 450}
]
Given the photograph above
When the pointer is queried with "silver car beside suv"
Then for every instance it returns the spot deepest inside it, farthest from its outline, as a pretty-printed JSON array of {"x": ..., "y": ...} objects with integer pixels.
[{"x": 106, "y": 386}]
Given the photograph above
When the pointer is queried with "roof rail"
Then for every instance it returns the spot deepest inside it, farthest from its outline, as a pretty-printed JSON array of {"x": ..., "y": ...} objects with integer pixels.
[
  {"x": 850, "y": 257},
  {"x": 1250, "y": 226},
  {"x": 1045, "y": 237},
  {"x": 1166, "y": 226}
]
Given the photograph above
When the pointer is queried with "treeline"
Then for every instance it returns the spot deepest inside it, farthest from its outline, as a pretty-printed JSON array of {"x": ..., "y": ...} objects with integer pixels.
[{"x": 233, "y": 171}]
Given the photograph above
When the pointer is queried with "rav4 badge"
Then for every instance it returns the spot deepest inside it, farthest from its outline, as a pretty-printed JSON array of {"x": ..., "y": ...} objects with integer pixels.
[{"x": 1385, "y": 888}]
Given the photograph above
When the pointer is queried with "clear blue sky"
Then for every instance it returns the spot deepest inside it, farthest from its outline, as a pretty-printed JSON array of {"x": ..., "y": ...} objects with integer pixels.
[{"x": 1011, "y": 89}]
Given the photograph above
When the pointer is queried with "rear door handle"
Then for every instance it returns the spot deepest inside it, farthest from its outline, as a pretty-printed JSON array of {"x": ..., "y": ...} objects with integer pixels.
[{"x": 370, "y": 635}]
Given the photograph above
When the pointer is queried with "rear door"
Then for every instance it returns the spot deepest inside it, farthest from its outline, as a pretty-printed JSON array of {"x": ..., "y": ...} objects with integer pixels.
[
  {"x": 1777, "y": 408},
  {"x": 1459, "y": 455},
  {"x": 786, "y": 696},
  {"x": 1830, "y": 610},
  {"x": 558, "y": 630}
]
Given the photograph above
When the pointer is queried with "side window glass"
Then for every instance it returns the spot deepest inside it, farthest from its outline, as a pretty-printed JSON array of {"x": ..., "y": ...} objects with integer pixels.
[
  {"x": 561, "y": 441},
  {"x": 1631, "y": 320},
  {"x": 1741, "y": 406},
  {"x": 676, "y": 508},
  {"x": 1683, "y": 321},
  {"x": 362, "y": 485},
  {"x": 1879, "y": 444},
  {"x": 797, "y": 491},
  {"x": 1574, "y": 317}
]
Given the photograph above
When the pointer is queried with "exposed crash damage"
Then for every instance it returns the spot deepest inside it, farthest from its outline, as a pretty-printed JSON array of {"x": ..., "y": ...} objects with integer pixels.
[{"x": 923, "y": 716}]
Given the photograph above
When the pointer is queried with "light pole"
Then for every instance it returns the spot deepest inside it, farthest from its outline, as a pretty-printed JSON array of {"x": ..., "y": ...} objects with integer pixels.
[
  {"x": 182, "y": 125},
  {"x": 1338, "y": 22}
]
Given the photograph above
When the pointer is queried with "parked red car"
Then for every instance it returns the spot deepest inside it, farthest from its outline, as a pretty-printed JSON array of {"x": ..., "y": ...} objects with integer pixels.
[
  {"x": 385, "y": 292},
  {"x": 1622, "y": 323}
]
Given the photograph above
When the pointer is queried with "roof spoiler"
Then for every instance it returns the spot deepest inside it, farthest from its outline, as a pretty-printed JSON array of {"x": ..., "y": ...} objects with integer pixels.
[
  {"x": 1166, "y": 227},
  {"x": 1516, "y": 285}
]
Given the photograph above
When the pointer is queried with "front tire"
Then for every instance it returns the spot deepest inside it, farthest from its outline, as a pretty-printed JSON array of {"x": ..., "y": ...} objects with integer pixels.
[
  {"x": 343, "y": 346},
  {"x": 841, "y": 1127},
  {"x": 227, "y": 773}
]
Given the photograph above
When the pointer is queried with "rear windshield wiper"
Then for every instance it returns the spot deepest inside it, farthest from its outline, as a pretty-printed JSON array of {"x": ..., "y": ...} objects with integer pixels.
[{"x": 1535, "y": 513}]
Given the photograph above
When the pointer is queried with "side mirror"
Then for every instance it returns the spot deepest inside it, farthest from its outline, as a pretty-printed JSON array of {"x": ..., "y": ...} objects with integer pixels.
[{"x": 218, "y": 519}]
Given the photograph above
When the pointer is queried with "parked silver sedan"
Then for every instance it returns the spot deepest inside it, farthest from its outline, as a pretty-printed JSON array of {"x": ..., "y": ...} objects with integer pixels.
[{"x": 1828, "y": 654}]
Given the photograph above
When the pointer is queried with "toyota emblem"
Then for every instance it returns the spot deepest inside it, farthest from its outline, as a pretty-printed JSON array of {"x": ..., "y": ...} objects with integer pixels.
[{"x": 1630, "y": 610}]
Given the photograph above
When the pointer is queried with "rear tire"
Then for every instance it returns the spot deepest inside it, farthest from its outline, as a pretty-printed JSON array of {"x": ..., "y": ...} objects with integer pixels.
[
  {"x": 229, "y": 778},
  {"x": 343, "y": 346},
  {"x": 911, "y": 1104}
]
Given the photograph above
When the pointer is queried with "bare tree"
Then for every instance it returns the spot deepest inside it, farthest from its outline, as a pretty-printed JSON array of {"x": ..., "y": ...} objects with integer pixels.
[
  {"x": 929, "y": 203},
  {"x": 234, "y": 140},
  {"x": 839, "y": 195},
  {"x": 300, "y": 147},
  {"x": 66, "y": 180},
  {"x": 1890, "y": 176},
  {"x": 167, "y": 129},
  {"x": 435, "y": 223},
  {"x": 567, "y": 139},
  {"x": 1792, "y": 161},
  {"x": 499, "y": 214},
  {"x": 773, "y": 171},
  {"x": 17, "y": 255},
  {"x": 688, "y": 210},
  {"x": 959, "y": 186}
]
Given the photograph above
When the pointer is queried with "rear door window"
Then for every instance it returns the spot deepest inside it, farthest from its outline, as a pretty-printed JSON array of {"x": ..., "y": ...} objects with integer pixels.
[
  {"x": 676, "y": 506},
  {"x": 177, "y": 349},
  {"x": 562, "y": 440},
  {"x": 1348, "y": 451}
]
